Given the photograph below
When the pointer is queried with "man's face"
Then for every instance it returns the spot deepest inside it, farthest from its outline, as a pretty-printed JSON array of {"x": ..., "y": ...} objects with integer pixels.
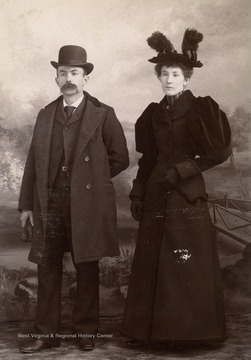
[
  {"x": 71, "y": 80},
  {"x": 172, "y": 80}
]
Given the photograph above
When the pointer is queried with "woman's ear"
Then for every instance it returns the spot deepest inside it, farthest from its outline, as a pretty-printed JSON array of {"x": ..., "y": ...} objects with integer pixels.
[{"x": 186, "y": 82}]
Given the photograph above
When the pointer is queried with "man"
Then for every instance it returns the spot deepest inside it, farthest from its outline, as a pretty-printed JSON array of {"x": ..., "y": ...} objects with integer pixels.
[{"x": 67, "y": 195}]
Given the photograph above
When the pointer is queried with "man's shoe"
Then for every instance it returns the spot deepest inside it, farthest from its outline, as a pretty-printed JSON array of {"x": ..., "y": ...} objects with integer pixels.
[
  {"x": 34, "y": 346},
  {"x": 86, "y": 344}
]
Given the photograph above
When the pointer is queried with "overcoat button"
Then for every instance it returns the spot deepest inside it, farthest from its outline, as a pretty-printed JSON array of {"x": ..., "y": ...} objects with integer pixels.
[
  {"x": 66, "y": 128},
  {"x": 88, "y": 186},
  {"x": 87, "y": 158}
]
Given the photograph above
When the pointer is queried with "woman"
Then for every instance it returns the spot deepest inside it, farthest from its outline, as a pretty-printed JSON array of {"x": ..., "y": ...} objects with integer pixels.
[{"x": 175, "y": 292}]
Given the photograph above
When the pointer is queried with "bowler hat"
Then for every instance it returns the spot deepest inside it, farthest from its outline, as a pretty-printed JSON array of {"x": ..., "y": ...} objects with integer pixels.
[{"x": 72, "y": 55}]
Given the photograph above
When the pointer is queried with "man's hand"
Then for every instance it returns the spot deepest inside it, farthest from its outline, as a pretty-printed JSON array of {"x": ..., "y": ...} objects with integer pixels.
[
  {"x": 137, "y": 208},
  {"x": 25, "y": 216}
]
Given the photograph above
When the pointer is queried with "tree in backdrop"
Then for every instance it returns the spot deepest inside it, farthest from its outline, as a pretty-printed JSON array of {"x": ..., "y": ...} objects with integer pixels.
[
  {"x": 240, "y": 122},
  {"x": 14, "y": 144},
  {"x": 15, "y": 135}
]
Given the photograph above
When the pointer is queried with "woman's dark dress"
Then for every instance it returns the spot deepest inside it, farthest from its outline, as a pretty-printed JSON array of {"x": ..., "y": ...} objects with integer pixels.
[{"x": 175, "y": 286}]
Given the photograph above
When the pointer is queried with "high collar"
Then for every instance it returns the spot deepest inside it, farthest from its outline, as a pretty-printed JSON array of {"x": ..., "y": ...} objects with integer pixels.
[
  {"x": 171, "y": 99},
  {"x": 179, "y": 107},
  {"x": 76, "y": 103}
]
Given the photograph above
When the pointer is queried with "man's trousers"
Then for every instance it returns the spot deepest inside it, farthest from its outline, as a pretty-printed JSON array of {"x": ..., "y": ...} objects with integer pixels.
[{"x": 86, "y": 306}]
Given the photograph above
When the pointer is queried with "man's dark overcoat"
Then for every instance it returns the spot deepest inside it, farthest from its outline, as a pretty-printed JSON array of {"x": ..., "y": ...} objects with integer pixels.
[
  {"x": 175, "y": 289},
  {"x": 100, "y": 154}
]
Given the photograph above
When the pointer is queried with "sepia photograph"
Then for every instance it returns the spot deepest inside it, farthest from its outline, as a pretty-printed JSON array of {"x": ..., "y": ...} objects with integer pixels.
[{"x": 125, "y": 163}]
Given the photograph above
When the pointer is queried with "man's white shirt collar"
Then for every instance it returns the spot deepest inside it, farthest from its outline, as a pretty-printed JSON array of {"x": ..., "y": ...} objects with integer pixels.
[{"x": 76, "y": 103}]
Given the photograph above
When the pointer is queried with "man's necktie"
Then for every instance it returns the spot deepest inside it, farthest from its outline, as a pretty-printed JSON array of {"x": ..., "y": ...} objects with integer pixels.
[{"x": 69, "y": 111}]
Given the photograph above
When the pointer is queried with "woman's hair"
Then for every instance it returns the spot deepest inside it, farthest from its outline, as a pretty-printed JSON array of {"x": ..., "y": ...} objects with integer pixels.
[{"x": 187, "y": 71}]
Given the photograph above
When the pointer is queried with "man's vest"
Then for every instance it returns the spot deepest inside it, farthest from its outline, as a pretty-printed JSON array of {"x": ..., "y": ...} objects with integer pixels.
[{"x": 63, "y": 141}]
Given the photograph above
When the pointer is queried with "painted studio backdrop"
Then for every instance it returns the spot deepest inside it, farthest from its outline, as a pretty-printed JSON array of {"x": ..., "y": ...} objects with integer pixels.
[{"x": 114, "y": 34}]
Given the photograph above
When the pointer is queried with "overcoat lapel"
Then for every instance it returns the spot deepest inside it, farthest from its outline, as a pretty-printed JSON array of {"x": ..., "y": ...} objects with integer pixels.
[
  {"x": 60, "y": 115},
  {"x": 92, "y": 117}
]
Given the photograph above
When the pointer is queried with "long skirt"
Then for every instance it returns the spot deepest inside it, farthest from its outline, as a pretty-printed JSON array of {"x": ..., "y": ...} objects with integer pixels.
[{"x": 175, "y": 291}]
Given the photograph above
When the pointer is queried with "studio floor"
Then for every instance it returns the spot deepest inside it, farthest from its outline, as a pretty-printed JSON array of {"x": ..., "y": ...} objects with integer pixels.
[{"x": 237, "y": 346}]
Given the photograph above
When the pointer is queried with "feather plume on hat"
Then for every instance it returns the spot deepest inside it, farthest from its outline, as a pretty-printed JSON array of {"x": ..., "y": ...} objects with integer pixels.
[
  {"x": 191, "y": 40},
  {"x": 190, "y": 45},
  {"x": 159, "y": 42}
]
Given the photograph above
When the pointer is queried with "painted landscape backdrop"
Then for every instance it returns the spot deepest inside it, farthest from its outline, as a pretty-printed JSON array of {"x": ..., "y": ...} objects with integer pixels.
[{"x": 114, "y": 34}]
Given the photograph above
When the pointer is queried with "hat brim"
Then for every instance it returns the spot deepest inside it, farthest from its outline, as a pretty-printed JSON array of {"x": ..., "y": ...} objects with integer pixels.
[
  {"x": 175, "y": 57},
  {"x": 87, "y": 66}
]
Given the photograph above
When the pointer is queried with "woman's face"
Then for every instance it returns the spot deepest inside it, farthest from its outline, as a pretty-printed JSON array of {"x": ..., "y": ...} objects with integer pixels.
[{"x": 172, "y": 80}]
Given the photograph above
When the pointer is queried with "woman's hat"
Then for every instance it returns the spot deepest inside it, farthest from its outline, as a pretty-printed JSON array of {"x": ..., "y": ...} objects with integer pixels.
[
  {"x": 166, "y": 51},
  {"x": 72, "y": 55}
]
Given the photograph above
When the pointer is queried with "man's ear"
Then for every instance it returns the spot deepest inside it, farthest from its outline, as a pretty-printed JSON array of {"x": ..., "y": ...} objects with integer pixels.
[
  {"x": 56, "y": 79},
  {"x": 86, "y": 79}
]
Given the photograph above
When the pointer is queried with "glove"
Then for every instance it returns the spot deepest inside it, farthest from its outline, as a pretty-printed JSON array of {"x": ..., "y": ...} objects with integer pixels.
[
  {"x": 137, "y": 208},
  {"x": 171, "y": 178}
]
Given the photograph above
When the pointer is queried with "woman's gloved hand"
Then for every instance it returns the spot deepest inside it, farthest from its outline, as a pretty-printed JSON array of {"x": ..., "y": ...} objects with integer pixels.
[{"x": 137, "y": 208}]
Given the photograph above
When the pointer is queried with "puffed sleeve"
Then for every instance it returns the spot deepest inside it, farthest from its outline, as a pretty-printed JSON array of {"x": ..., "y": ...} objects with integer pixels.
[
  {"x": 146, "y": 145},
  {"x": 211, "y": 137}
]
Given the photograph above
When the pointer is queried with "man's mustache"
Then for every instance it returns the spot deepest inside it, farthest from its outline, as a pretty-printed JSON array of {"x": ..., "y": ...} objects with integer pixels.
[{"x": 68, "y": 86}]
